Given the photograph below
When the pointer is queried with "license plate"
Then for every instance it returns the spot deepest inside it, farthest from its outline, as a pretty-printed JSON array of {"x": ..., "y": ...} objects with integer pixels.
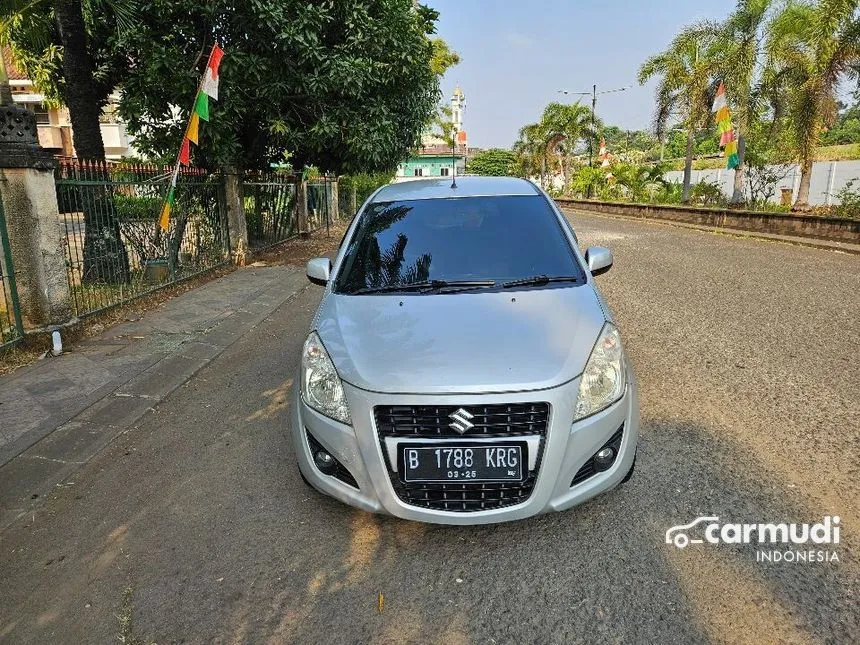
[{"x": 478, "y": 463}]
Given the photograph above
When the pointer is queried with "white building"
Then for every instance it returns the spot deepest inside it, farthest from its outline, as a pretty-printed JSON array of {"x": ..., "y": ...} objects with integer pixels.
[{"x": 54, "y": 126}]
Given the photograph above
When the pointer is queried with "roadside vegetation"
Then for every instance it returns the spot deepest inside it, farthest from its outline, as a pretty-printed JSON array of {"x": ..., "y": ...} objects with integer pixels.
[{"x": 784, "y": 66}]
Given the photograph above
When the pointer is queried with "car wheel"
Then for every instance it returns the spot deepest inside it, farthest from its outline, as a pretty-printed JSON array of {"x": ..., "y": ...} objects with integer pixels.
[{"x": 629, "y": 472}]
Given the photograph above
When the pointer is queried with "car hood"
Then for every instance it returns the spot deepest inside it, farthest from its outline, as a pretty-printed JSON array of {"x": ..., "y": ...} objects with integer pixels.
[{"x": 461, "y": 342}]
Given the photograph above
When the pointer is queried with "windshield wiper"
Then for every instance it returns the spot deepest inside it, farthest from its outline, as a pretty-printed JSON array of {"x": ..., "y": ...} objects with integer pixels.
[
  {"x": 537, "y": 280},
  {"x": 427, "y": 285}
]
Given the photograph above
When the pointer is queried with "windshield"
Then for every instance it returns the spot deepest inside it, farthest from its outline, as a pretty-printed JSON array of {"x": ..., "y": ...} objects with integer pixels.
[{"x": 473, "y": 239}]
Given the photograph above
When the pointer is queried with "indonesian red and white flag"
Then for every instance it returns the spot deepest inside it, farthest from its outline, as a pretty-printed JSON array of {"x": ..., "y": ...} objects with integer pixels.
[
  {"x": 210, "y": 77},
  {"x": 719, "y": 99},
  {"x": 603, "y": 154}
]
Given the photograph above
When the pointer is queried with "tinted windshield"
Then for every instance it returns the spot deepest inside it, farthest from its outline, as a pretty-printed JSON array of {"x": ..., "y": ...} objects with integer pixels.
[{"x": 471, "y": 238}]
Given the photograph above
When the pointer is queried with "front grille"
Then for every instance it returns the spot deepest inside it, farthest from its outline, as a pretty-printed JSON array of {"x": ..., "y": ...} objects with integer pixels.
[
  {"x": 432, "y": 422},
  {"x": 503, "y": 420},
  {"x": 464, "y": 497},
  {"x": 588, "y": 468}
]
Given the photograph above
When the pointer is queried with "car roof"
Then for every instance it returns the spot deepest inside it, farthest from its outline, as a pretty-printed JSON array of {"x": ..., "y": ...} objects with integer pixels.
[{"x": 440, "y": 188}]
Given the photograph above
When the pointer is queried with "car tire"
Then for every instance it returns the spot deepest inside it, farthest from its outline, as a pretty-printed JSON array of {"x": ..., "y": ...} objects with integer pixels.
[{"x": 629, "y": 472}]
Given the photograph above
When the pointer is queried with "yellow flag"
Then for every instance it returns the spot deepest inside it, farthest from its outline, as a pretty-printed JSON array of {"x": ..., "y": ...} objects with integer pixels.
[
  {"x": 193, "y": 127},
  {"x": 164, "y": 220}
]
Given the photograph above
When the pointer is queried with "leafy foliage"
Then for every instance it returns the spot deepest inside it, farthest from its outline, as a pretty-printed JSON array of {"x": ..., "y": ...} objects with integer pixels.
[
  {"x": 555, "y": 143},
  {"x": 493, "y": 162},
  {"x": 847, "y": 126},
  {"x": 810, "y": 48},
  {"x": 346, "y": 86}
]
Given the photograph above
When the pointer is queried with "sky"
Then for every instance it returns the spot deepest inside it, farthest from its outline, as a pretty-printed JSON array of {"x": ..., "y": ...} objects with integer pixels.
[{"x": 516, "y": 55}]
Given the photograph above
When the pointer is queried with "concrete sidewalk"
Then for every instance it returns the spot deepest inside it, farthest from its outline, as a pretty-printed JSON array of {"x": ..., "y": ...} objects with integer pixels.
[{"x": 56, "y": 414}]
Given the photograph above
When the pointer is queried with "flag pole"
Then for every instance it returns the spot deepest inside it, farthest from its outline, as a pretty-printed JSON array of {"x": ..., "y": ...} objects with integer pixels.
[{"x": 164, "y": 220}]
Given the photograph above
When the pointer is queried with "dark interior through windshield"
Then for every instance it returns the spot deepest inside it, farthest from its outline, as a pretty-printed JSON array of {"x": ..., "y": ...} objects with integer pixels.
[{"x": 499, "y": 238}]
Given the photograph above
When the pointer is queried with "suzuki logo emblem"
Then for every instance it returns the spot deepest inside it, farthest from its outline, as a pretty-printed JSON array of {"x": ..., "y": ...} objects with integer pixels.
[{"x": 460, "y": 420}]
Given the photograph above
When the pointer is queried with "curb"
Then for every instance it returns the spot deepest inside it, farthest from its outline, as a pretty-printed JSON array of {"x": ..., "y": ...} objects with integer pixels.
[{"x": 731, "y": 232}]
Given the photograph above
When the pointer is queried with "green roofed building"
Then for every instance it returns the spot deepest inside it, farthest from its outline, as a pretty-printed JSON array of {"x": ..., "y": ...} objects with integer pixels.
[
  {"x": 435, "y": 157},
  {"x": 425, "y": 163}
]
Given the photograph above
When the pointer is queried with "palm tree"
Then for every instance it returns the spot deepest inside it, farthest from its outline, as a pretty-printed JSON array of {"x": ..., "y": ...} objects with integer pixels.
[
  {"x": 739, "y": 45},
  {"x": 811, "y": 48},
  {"x": 685, "y": 89},
  {"x": 5, "y": 90},
  {"x": 40, "y": 24},
  {"x": 531, "y": 151},
  {"x": 564, "y": 127},
  {"x": 47, "y": 21}
]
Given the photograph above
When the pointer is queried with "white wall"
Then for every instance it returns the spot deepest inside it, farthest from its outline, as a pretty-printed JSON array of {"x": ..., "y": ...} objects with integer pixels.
[{"x": 828, "y": 177}]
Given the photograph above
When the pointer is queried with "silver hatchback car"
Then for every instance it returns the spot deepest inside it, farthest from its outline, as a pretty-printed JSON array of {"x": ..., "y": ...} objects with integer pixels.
[{"x": 462, "y": 367}]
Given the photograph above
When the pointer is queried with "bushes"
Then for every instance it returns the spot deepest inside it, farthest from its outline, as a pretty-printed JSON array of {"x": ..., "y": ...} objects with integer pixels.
[
  {"x": 849, "y": 202},
  {"x": 707, "y": 193},
  {"x": 137, "y": 209},
  {"x": 363, "y": 185}
]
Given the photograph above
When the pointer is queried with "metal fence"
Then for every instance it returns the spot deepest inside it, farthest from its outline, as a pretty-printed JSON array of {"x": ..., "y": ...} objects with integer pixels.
[
  {"x": 320, "y": 202},
  {"x": 271, "y": 209},
  {"x": 115, "y": 250},
  {"x": 11, "y": 328},
  {"x": 354, "y": 190}
]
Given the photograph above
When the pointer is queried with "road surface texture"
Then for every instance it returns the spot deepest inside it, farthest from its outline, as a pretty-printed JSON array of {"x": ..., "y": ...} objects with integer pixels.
[{"x": 195, "y": 526}]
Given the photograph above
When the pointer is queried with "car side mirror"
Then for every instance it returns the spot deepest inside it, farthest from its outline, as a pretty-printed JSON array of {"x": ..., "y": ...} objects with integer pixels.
[
  {"x": 319, "y": 271},
  {"x": 599, "y": 259}
]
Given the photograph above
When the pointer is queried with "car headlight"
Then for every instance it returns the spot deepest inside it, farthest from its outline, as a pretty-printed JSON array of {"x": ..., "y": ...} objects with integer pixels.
[
  {"x": 603, "y": 380},
  {"x": 321, "y": 386}
]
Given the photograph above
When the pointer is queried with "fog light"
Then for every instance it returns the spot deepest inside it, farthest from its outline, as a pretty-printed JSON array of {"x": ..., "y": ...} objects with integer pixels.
[
  {"x": 325, "y": 462},
  {"x": 604, "y": 458}
]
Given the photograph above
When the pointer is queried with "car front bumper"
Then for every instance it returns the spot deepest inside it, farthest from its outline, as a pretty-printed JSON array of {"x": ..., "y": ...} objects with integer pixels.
[{"x": 567, "y": 447}]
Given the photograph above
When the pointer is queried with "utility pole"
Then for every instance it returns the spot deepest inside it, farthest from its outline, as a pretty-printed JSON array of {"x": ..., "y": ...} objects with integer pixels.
[
  {"x": 594, "y": 93},
  {"x": 593, "y": 133}
]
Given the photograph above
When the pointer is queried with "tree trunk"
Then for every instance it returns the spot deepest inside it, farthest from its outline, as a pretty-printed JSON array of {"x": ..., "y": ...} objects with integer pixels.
[
  {"x": 802, "y": 202},
  {"x": 688, "y": 167},
  {"x": 105, "y": 258},
  {"x": 738, "y": 194},
  {"x": 5, "y": 90},
  {"x": 80, "y": 95}
]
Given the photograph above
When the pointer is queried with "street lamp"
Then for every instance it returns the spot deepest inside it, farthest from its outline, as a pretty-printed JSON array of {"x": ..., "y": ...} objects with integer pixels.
[{"x": 594, "y": 93}]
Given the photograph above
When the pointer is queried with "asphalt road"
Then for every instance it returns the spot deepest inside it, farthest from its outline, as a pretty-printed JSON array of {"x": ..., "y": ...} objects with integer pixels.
[{"x": 747, "y": 356}]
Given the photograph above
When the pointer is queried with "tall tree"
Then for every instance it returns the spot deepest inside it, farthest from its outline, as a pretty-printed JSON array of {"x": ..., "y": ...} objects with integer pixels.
[
  {"x": 565, "y": 128},
  {"x": 811, "y": 48},
  {"x": 81, "y": 96},
  {"x": 492, "y": 162},
  {"x": 54, "y": 41},
  {"x": 739, "y": 46},
  {"x": 684, "y": 90},
  {"x": 530, "y": 149},
  {"x": 348, "y": 88},
  {"x": 5, "y": 90}
]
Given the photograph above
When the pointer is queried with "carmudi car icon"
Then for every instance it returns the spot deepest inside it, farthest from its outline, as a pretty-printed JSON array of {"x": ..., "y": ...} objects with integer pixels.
[{"x": 677, "y": 534}]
